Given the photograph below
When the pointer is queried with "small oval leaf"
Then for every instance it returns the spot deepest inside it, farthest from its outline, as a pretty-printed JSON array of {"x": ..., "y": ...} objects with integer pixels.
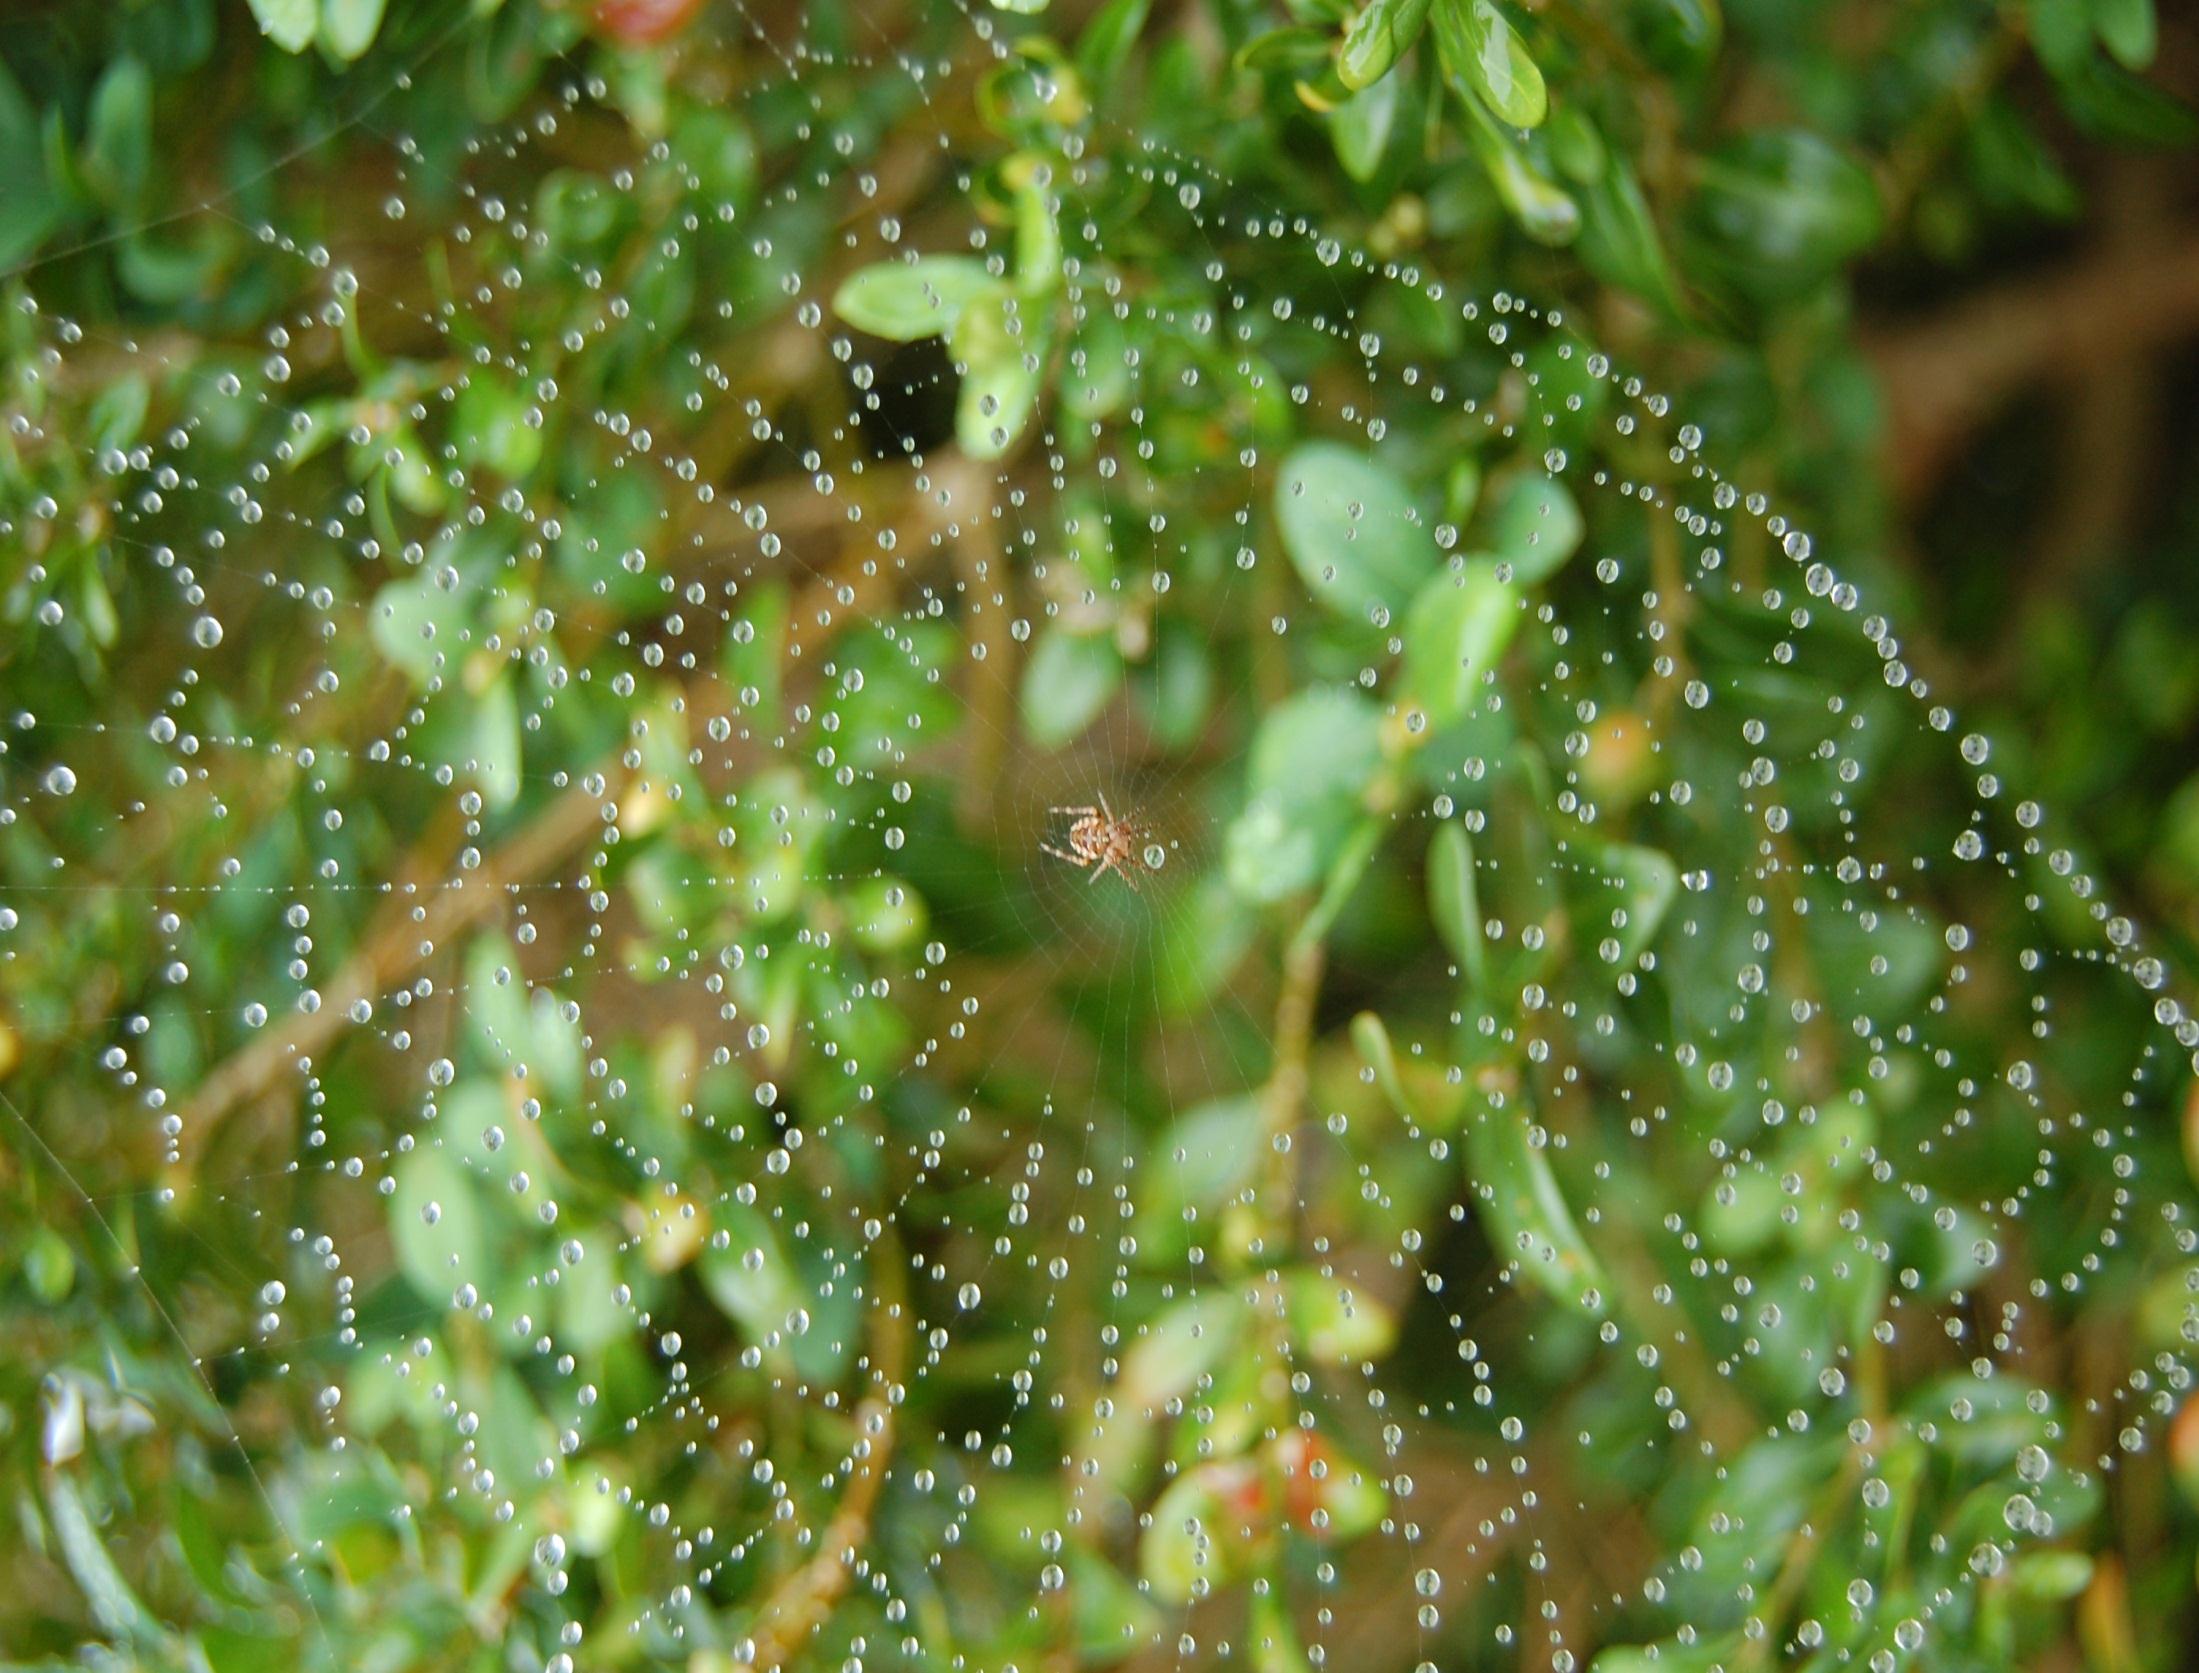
[
  {"x": 1066, "y": 683},
  {"x": 1483, "y": 54},
  {"x": 908, "y": 301},
  {"x": 1352, "y": 531},
  {"x": 1382, "y": 33},
  {"x": 1528, "y": 1221}
]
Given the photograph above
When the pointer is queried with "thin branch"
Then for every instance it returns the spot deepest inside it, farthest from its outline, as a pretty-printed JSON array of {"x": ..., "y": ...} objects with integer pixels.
[
  {"x": 804, "y": 1599},
  {"x": 1946, "y": 376},
  {"x": 1283, "y": 1098},
  {"x": 395, "y": 947},
  {"x": 403, "y": 939}
]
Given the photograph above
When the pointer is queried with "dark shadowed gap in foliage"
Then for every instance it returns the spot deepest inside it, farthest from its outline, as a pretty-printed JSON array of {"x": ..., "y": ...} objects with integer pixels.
[
  {"x": 1978, "y": 527},
  {"x": 915, "y": 389}
]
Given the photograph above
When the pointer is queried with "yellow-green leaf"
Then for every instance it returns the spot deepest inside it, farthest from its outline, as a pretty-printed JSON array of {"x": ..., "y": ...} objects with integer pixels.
[
  {"x": 1483, "y": 54},
  {"x": 1000, "y": 350},
  {"x": 1528, "y": 1222},
  {"x": 1381, "y": 33},
  {"x": 906, "y": 301}
]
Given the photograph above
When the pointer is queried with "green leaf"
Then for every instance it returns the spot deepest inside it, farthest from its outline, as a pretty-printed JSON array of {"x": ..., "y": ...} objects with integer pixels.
[
  {"x": 1528, "y": 1221},
  {"x": 495, "y": 762},
  {"x": 1354, "y": 534},
  {"x": 885, "y": 915},
  {"x": 1299, "y": 48},
  {"x": 1372, "y": 1039},
  {"x": 2128, "y": 30},
  {"x": 2061, "y": 32},
  {"x": 415, "y": 622},
  {"x": 906, "y": 302},
  {"x": 1619, "y": 240},
  {"x": 2107, "y": 101},
  {"x": 1000, "y": 352},
  {"x": 1175, "y": 688},
  {"x": 117, "y": 413},
  {"x": 1454, "y": 901},
  {"x": 1191, "y": 1337},
  {"x": 1360, "y": 127},
  {"x": 1382, "y": 33},
  {"x": 1346, "y": 866},
  {"x": 1485, "y": 58},
  {"x": 435, "y": 1224},
  {"x": 749, "y": 1275},
  {"x": 1069, "y": 678},
  {"x": 1740, "y": 1216},
  {"x": 118, "y": 132},
  {"x": 1783, "y": 209},
  {"x": 1272, "y": 856},
  {"x": 29, "y": 205},
  {"x": 1272, "y": 1635},
  {"x": 1645, "y": 883},
  {"x": 290, "y": 24},
  {"x": 489, "y": 427},
  {"x": 1981, "y": 1423},
  {"x": 1316, "y": 746},
  {"x": 1576, "y": 147},
  {"x": 49, "y": 1266},
  {"x": 2015, "y": 166},
  {"x": 1763, "y": 1496},
  {"x": 1679, "y": 35},
  {"x": 1191, "y": 1537},
  {"x": 1335, "y": 1322},
  {"x": 1545, "y": 212},
  {"x": 1352, "y": 1496},
  {"x": 496, "y": 1001},
  {"x": 719, "y": 148},
  {"x": 1107, "y": 1614},
  {"x": 1199, "y": 947},
  {"x": 1533, "y": 524},
  {"x": 205, "y": 1552},
  {"x": 589, "y": 1316},
  {"x": 1457, "y": 629},
  {"x": 1038, "y": 242},
  {"x": 114, "y": 1606},
  {"x": 1104, "y": 47},
  {"x": 1311, "y": 762},
  {"x": 2051, "y": 1576},
  {"x": 1670, "y": 1655},
  {"x": 348, "y": 27},
  {"x": 412, "y": 476}
]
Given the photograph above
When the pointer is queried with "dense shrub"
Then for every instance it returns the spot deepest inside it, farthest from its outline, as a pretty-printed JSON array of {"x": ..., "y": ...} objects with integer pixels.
[{"x": 1238, "y": 831}]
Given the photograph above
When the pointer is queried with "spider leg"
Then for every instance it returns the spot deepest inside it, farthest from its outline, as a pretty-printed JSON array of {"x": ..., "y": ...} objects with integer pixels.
[
  {"x": 1104, "y": 808},
  {"x": 1104, "y": 867},
  {"x": 1049, "y": 848},
  {"x": 1074, "y": 811}
]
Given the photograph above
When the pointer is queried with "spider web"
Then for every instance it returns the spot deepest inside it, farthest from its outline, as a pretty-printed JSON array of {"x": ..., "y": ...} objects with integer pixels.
[{"x": 827, "y": 1230}]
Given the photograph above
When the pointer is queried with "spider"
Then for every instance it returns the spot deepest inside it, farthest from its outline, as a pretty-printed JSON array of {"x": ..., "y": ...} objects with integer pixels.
[{"x": 1103, "y": 842}]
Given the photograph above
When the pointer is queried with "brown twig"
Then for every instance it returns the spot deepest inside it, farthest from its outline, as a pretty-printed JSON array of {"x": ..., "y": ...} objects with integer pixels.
[
  {"x": 1284, "y": 1095},
  {"x": 1945, "y": 376},
  {"x": 394, "y": 947},
  {"x": 415, "y": 927},
  {"x": 1798, "y": 1564},
  {"x": 804, "y": 1599}
]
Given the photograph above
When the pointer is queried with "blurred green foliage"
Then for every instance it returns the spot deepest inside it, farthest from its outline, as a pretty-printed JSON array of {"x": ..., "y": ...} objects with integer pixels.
[{"x": 1505, "y": 1084}]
